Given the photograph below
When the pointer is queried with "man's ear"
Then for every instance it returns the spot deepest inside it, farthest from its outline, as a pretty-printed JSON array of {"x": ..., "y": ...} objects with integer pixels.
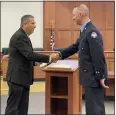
[
  {"x": 25, "y": 24},
  {"x": 83, "y": 14},
  {"x": 80, "y": 14}
]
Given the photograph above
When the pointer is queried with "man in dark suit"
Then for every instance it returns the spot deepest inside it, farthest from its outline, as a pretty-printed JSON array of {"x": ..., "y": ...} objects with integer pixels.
[
  {"x": 20, "y": 67},
  {"x": 92, "y": 64}
]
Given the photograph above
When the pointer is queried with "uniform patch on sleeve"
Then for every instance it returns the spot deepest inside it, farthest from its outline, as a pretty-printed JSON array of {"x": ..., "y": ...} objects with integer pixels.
[{"x": 93, "y": 34}]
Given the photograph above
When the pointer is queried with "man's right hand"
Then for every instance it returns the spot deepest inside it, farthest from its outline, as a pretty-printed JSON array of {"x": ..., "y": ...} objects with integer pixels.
[{"x": 54, "y": 57}]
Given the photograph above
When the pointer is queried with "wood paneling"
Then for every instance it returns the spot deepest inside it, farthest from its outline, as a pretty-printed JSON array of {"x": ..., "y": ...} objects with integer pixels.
[
  {"x": 109, "y": 40},
  {"x": 46, "y": 42},
  {"x": 63, "y": 38},
  {"x": 63, "y": 14},
  {"x": 97, "y": 14},
  {"x": 38, "y": 72},
  {"x": 111, "y": 91},
  {"x": 111, "y": 65},
  {"x": 49, "y": 13},
  {"x": 103, "y": 32},
  {"x": 109, "y": 15},
  {"x": 4, "y": 68},
  {"x": 76, "y": 35},
  {"x": 82, "y": 2},
  {"x": 110, "y": 60}
]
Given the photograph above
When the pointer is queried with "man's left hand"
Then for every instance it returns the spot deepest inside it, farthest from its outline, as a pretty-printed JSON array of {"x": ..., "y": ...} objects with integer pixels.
[{"x": 102, "y": 82}]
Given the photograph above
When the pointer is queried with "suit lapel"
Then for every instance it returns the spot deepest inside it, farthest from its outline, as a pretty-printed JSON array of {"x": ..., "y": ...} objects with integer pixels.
[
  {"x": 26, "y": 37},
  {"x": 30, "y": 42},
  {"x": 82, "y": 34}
]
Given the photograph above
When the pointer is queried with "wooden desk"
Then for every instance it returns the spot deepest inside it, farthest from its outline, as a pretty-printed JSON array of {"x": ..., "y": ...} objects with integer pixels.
[{"x": 63, "y": 93}]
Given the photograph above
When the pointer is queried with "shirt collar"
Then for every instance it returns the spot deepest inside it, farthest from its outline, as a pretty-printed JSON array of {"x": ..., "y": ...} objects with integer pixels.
[
  {"x": 83, "y": 26},
  {"x": 27, "y": 34}
]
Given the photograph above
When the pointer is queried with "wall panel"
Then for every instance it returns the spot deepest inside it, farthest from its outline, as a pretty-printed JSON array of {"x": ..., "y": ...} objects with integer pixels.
[{"x": 101, "y": 14}]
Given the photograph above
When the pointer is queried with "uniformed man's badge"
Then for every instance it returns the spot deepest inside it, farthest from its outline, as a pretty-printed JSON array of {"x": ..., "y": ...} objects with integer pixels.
[{"x": 93, "y": 34}]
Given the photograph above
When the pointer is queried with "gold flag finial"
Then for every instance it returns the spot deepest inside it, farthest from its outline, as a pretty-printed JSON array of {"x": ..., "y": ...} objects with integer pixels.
[{"x": 52, "y": 23}]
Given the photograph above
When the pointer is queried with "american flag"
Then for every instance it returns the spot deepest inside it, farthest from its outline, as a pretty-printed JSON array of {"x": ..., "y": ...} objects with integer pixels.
[{"x": 52, "y": 40}]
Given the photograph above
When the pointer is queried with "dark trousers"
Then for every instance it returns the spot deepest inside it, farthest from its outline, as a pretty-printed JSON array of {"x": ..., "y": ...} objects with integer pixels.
[
  {"x": 17, "y": 102},
  {"x": 94, "y": 101}
]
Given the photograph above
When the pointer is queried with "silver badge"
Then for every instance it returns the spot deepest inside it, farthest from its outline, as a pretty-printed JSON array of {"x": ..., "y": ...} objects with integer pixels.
[{"x": 93, "y": 34}]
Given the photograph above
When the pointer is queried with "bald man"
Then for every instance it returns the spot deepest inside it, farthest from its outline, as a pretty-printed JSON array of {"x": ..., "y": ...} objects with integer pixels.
[{"x": 92, "y": 64}]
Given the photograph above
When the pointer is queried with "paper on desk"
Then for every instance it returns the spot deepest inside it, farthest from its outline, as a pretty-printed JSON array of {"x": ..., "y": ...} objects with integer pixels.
[
  {"x": 43, "y": 65},
  {"x": 60, "y": 65}
]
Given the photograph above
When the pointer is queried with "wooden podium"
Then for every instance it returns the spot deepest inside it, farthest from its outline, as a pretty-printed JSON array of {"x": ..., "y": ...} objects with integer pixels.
[{"x": 63, "y": 93}]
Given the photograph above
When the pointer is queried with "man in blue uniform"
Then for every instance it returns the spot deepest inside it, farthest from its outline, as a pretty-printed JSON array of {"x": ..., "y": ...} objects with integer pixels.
[{"x": 92, "y": 64}]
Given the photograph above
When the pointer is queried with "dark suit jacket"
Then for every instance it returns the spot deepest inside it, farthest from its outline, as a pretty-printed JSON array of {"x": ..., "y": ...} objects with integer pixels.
[
  {"x": 21, "y": 59},
  {"x": 92, "y": 64}
]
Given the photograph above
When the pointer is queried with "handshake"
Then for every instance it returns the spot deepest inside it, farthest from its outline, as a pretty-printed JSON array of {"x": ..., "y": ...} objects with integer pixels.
[{"x": 55, "y": 57}]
